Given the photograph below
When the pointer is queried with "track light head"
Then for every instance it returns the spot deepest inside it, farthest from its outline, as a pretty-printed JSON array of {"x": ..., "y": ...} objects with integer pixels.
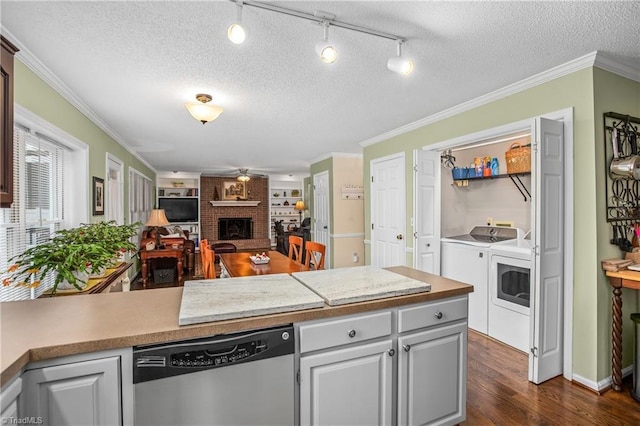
[
  {"x": 398, "y": 64},
  {"x": 327, "y": 52},
  {"x": 236, "y": 32}
]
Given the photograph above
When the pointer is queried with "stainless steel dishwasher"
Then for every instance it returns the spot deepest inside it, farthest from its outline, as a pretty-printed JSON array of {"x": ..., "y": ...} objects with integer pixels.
[{"x": 233, "y": 379}]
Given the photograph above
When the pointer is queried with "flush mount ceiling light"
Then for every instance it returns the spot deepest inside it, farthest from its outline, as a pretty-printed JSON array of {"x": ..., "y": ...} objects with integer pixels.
[
  {"x": 244, "y": 175},
  {"x": 327, "y": 52},
  {"x": 236, "y": 32},
  {"x": 398, "y": 64},
  {"x": 201, "y": 111}
]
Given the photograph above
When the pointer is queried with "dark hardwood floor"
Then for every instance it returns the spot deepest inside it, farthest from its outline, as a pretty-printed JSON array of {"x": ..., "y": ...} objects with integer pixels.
[{"x": 498, "y": 393}]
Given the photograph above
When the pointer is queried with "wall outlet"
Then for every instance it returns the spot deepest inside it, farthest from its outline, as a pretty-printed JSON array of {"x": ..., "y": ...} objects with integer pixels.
[{"x": 355, "y": 258}]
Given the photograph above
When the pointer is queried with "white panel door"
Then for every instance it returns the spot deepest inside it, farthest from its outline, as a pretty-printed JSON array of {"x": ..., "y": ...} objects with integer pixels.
[
  {"x": 114, "y": 200},
  {"x": 545, "y": 357},
  {"x": 388, "y": 211},
  {"x": 321, "y": 210},
  {"x": 426, "y": 217},
  {"x": 81, "y": 393},
  {"x": 350, "y": 386}
]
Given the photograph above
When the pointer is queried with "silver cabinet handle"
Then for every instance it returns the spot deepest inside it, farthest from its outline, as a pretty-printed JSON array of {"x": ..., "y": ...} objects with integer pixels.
[
  {"x": 352, "y": 333},
  {"x": 391, "y": 352},
  {"x": 406, "y": 348},
  {"x": 439, "y": 315}
]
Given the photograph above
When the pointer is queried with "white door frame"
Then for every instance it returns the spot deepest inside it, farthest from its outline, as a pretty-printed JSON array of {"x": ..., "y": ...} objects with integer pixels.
[{"x": 566, "y": 116}]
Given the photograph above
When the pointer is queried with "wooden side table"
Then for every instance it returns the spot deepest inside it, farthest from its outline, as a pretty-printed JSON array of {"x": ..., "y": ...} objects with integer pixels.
[
  {"x": 618, "y": 280},
  {"x": 145, "y": 255}
]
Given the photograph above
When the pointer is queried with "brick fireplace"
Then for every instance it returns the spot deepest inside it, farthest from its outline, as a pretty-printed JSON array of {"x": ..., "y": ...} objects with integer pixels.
[{"x": 257, "y": 190}]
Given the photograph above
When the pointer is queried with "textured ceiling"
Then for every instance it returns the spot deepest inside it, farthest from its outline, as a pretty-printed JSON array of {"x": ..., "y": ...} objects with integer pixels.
[{"x": 135, "y": 64}]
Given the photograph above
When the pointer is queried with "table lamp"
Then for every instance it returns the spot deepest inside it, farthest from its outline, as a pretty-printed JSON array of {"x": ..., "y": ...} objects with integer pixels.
[
  {"x": 299, "y": 206},
  {"x": 156, "y": 220}
]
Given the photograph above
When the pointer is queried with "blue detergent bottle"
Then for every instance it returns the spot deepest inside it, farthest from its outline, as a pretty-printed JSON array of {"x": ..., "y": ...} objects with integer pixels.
[{"x": 495, "y": 168}]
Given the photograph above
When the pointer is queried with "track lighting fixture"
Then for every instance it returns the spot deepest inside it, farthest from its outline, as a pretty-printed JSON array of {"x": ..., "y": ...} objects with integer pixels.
[
  {"x": 327, "y": 52},
  {"x": 236, "y": 32},
  {"x": 398, "y": 64},
  {"x": 201, "y": 111}
]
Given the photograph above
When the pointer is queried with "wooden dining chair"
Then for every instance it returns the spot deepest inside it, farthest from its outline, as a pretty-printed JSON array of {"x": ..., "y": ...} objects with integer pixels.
[
  {"x": 203, "y": 243},
  {"x": 295, "y": 248},
  {"x": 315, "y": 253},
  {"x": 208, "y": 265}
]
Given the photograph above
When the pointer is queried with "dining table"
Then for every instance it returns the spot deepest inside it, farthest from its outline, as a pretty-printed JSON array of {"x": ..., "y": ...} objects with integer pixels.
[{"x": 240, "y": 265}]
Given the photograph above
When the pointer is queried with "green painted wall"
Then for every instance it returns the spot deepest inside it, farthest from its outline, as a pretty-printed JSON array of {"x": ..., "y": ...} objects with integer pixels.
[
  {"x": 612, "y": 93},
  {"x": 38, "y": 97},
  {"x": 591, "y": 293}
]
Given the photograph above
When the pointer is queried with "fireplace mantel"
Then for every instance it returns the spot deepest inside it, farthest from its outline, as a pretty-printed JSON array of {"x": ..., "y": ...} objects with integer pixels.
[{"x": 234, "y": 203}]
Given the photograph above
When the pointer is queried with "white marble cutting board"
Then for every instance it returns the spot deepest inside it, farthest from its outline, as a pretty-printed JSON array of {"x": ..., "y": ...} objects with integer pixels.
[
  {"x": 229, "y": 298},
  {"x": 358, "y": 284}
]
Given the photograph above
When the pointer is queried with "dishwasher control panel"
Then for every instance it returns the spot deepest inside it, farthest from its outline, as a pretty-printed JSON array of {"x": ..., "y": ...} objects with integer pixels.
[
  {"x": 151, "y": 362},
  {"x": 221, "y": 356}
]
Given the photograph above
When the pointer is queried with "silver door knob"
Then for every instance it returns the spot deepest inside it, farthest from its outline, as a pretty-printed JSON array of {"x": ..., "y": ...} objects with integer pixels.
[
  {"x": 391, "y": 352},
  {"x": 406, "y": 348},
  {"x": 439, "y": 315},
  {"x": 352, "y": 333},
  {"x": 399, "y": 236}
]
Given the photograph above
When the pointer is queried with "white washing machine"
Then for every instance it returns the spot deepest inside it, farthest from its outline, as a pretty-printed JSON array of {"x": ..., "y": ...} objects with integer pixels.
[
  {"x": 509, "y": 293},
  {"x": 465, "y": 258}
]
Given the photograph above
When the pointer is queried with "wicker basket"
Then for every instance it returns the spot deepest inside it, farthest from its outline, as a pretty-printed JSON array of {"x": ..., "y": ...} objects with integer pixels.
[{"x": 518, "y": 158}]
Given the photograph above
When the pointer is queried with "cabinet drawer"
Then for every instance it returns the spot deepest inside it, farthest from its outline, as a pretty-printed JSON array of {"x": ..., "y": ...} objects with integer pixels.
[
  {"x": 327, "y": 334},
  {"x": 433, "y": 313}
]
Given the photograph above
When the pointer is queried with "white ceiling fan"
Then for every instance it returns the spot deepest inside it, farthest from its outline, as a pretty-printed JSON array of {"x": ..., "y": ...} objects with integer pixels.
[{"x": 242, "y": 174}]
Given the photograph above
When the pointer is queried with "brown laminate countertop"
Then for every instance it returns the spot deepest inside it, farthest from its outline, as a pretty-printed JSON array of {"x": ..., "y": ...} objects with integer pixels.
[{"x": 47, "y": 328}]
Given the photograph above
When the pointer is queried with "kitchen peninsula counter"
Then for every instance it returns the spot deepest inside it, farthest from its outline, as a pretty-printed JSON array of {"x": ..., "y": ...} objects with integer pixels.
[{"x": 53, "y": 327}]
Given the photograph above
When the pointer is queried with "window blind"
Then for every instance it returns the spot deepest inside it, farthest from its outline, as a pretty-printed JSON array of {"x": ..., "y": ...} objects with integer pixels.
[{"x": 37, "y": 211}]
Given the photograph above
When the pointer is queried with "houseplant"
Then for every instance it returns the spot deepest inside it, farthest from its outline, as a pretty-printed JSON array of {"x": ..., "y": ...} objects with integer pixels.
[{"x": 71, "y": 255}]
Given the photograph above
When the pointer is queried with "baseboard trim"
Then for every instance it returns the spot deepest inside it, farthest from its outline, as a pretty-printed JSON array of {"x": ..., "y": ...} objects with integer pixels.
[{"x": 602, "y": 385}]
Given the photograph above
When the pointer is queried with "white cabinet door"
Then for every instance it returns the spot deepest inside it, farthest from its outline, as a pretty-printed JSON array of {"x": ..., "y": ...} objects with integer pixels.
[
  {"x": 470, "y": 265},
  {"x": 80, "y": 393},
  {"x": 9, "y": 401},
  {"x": 350, "y": 386},
  {"x": 432, "y": 376}
]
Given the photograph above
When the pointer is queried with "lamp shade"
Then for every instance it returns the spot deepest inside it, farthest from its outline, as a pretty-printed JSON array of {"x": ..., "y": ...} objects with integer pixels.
[
  {"x": 299, "y": 205},
  {"x": 157, "y": 218},
  {"x": 201, "y": 111}
]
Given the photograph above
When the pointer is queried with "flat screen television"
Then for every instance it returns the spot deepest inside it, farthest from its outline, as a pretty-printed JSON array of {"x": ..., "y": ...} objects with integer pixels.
[{"x": 179, "y": 209}]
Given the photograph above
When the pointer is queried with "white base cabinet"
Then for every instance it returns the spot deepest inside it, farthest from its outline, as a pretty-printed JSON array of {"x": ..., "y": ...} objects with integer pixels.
[
  {"x": 407, "y": 364},
  {"x": 78, "y": 390},
  {"x": 432, "y": 376},
  {"x": 349, "y": 386},
  {"x": 9, "y": 401}
]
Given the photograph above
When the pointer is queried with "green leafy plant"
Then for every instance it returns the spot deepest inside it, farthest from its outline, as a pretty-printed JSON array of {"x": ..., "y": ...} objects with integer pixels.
[{"x": 72, "y": 253}]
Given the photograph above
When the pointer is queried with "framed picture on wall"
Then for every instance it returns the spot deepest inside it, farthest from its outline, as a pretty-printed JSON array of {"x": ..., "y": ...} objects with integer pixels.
[
  {"x": 234, "y": 190},
  {"x": 98, "y": 196}
]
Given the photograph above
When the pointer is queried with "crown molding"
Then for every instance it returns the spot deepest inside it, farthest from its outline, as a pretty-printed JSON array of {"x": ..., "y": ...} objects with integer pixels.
[
  {"x": 34, "y": 64},
  {"x": 605, "y": 62},
  {"x": 570, "y": 67},
  {"x": 336, "y": 154}
]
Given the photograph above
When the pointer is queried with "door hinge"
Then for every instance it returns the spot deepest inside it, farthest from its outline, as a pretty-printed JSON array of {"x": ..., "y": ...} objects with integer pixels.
[
  {"x": 415, "y": 235},
  {"x": 371, "y": 178},
  {"x": 415, "y": 168},
  {"x": 372, "y": 226},
  {"x": 298, "y": 379},
  {"x": 314, "y": 187},
  {"x": 534, "y": 352}
]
